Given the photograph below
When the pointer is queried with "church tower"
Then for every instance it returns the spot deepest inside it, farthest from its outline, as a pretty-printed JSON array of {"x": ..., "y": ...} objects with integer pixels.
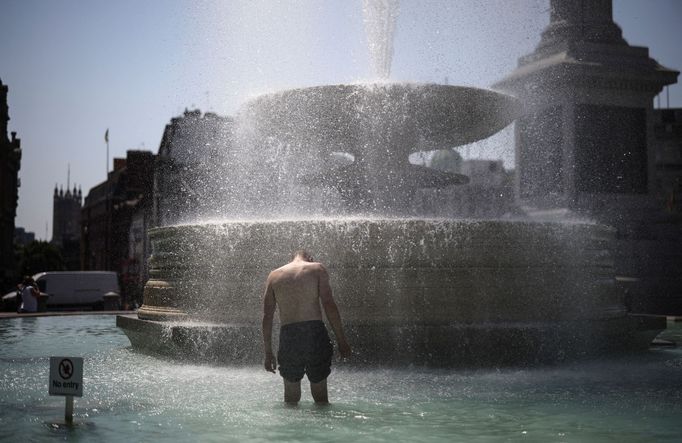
[
  {"x": 66, "y": 215},
  {"x": 66, "y": 224}
]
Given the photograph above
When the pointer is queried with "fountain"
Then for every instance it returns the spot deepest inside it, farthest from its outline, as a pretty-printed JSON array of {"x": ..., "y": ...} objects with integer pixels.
[{"x": 412, "y": 290}]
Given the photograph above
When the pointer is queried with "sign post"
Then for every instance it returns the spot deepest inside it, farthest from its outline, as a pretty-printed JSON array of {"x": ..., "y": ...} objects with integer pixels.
[{"x": 66, "y": 378}]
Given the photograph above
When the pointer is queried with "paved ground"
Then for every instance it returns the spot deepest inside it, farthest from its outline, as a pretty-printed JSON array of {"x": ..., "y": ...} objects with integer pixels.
[{"x": 62, "y": 313}]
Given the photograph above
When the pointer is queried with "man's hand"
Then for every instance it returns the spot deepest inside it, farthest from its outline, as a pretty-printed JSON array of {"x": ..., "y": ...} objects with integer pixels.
[
  {"x": 269, "y": 305},
  {"x": 345, "y": 350},
  {"x": 270, "y": 363}
]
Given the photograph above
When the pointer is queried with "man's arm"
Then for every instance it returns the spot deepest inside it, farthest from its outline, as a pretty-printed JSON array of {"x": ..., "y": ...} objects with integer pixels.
[
  {"x": 332, "y": 312},
  {"x": 269, "y": 304}
]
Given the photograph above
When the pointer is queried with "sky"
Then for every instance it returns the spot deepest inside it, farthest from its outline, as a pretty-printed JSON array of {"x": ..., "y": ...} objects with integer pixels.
[{"x": 76, "y": 68}]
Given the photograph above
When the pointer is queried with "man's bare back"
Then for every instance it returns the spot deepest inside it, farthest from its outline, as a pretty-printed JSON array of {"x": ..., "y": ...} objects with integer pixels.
[
  {"x": 295, "y": 286},
  {"x": 298, "y": 289}
]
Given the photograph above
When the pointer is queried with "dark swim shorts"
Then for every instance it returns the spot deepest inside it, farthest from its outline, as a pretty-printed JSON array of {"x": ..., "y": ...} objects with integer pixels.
[{"x": 305, "y": 347}]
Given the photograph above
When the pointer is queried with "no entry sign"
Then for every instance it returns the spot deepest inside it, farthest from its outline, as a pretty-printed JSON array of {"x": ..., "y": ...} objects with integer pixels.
[{"x": 66, "y": 376}]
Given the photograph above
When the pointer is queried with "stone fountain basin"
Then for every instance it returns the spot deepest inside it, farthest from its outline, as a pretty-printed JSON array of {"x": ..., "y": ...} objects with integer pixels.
[
  {"x": 355, "y": 118},
  {"x": 435, "y": 291}
]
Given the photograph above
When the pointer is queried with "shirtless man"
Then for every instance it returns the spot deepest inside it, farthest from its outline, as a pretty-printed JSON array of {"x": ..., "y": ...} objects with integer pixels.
[{"x": 304, "y": 345}]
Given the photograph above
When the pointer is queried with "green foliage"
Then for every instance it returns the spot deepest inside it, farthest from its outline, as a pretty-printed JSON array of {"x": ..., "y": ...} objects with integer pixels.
[
  {"x": 39, "y": 256},
  {"x": 446, "y": 160}
]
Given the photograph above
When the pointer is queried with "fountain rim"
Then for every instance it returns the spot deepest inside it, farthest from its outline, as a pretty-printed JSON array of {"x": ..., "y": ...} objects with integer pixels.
[
  {"x": 493, "y": 111},
  {"x": 359, "y": 220},
  {"x": 372, "y": 84}
]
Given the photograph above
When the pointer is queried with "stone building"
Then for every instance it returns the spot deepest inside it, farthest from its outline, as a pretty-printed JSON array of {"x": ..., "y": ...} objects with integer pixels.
[
  {"x": 586, "y": 143},
  {"x": 136, "y": 267},
  {"x": 66, "y": 225},
  {"x": 109, "y": 210},
  {"x": 23, "y": 237},
  {"x": 489, "y": 193},
  {"x": 190, "y": 167},
  {"x": 10, "y": 162}
]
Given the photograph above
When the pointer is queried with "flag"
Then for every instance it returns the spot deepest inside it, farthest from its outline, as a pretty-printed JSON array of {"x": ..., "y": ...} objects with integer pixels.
[{"x": 106, "y": 136}]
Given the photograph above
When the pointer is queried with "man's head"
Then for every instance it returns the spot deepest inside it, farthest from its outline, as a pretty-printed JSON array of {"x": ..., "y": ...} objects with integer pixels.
[{"x": 302, "y": 254}]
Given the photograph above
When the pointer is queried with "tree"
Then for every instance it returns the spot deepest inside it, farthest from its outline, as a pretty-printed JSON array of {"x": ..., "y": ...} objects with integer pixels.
[{"x": 39, "y": 256}]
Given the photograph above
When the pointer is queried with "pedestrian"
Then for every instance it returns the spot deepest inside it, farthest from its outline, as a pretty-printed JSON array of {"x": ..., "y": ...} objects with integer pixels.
[
  {"x": 29, "y": 296},
  {"x": 298, "y": 289}
]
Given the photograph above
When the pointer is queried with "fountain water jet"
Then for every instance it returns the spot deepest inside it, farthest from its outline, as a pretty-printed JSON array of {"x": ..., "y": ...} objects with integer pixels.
[{"x": 380, "y": 17}]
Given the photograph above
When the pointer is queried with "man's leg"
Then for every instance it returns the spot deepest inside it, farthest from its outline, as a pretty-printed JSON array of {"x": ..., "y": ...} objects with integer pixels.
[
  {"x": 292, "y": 391},
  {"x": 319, "y": 392}
]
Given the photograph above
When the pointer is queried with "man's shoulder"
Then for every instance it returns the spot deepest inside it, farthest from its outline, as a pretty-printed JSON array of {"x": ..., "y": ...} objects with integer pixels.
[
  {"x": 289, "y": 269},
  {"x": 318, "y": 267},
  {"x": 275, "y": 272}
]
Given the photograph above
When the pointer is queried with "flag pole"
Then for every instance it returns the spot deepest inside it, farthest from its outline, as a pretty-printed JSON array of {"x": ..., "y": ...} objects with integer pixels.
[
  {"x": 106, "y": 139},
  {"x": 106, "y": 203}
]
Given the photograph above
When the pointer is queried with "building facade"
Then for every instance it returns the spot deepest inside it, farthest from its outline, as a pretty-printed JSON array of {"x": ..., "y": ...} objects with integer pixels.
[
  {"x": 489, "y": 193},
  {"x": 190, "y": 167},
  {"x": 23, "y": 237},
  {"x": 109, "y": 210},
  {"x": 10, "y": 162}
]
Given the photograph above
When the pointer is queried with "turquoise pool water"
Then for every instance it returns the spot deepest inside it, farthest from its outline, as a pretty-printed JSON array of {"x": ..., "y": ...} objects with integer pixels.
[{"x": 130, "y": 397}]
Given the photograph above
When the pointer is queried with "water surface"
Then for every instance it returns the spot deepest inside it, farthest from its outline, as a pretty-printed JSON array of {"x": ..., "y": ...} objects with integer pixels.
[{"x": 133, "y": 397}]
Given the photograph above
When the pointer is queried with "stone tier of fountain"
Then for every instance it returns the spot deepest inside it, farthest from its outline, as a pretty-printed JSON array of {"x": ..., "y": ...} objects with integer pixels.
[
  {"x": 410, "y": 291},
  {"x": 379, "y": 125}
]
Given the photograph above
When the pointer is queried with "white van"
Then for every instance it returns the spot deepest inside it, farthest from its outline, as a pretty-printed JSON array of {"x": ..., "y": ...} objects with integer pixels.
[{"x": 75, "y": 289}]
